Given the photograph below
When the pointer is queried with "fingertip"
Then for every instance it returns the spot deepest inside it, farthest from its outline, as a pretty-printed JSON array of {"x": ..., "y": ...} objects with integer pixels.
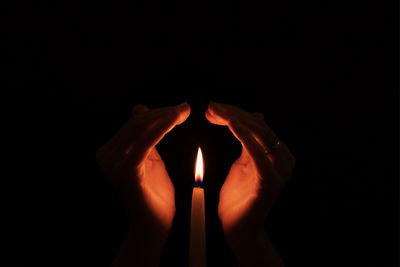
[
  {"x": 183, "y": 112},
  {"x": 211, "y": 107},
  {"x": 208, "y": 115},
  {"x": 222, "y": 112},
  {"x": 182, "y": 105},
  {"x": 211, "y": 118},
  {"x": 214, "y": 106},
  {"x": 215, "y": 118}
]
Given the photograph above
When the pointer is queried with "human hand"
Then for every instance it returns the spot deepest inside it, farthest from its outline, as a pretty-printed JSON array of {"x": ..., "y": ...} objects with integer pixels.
[
  {"x": 132, "y": 163},
  {"x": 252, "y": 185}
]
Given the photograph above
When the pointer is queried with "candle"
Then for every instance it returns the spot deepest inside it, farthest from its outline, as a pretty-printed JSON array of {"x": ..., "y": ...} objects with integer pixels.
[{"x": 197, "y": 256}]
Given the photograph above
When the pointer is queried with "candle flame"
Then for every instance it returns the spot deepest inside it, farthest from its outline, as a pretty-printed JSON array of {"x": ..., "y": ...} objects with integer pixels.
[{"x": 199, "y": 168}]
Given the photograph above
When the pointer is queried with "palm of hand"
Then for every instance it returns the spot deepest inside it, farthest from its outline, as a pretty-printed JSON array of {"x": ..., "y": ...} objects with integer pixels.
[
  {"x": 135, "y": 168},
  {"x": 157, "y": 189},
  {"x": 241, "y": 195}
]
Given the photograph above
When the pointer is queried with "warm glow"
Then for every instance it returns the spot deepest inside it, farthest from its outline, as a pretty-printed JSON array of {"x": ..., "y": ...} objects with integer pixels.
[{"x": 199, "y": 168}]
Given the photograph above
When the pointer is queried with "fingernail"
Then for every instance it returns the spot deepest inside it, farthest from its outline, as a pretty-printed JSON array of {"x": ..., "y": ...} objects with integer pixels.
[
  {"x": 217, "y": 105},
  {"x": 184, "y": 104}
]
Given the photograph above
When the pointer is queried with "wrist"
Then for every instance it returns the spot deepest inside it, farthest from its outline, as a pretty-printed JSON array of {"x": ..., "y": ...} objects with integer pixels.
[
  {"x": 242, "y": 241},
  {"x": 151, "y": 241},
  {"x": 254, "y": 248},
  {"x": 140, "y": 248}
]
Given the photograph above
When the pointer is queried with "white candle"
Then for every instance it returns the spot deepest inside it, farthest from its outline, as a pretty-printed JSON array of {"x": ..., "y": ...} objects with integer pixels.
[{"x": 197, "y": 257}]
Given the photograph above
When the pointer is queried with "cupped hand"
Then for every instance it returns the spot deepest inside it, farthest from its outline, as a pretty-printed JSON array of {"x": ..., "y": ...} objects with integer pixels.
[
  {"x": 132, "y": 163},
  {"x": 255, "y": 178}
]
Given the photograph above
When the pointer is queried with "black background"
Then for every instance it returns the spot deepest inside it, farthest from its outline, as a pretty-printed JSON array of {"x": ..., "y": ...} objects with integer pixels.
[{"x": 324, "y": 74}]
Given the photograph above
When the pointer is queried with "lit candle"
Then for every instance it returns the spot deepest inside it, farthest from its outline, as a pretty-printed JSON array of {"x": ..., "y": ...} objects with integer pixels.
[{"x": 197, "y": 222}]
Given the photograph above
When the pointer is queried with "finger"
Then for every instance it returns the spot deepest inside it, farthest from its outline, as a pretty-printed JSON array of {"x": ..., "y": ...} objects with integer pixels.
[
  {"x": 149, "y": 118},
  {"x": 213, "y": 119},
  {"x": 164, "y": 120},
  {"x": 223, "y": 113},
  {"x": 183, "y": 113},
  {"x": 256, "y": 152},
  {"x": 121, "y": 139},
  {"x": 159, "y": 123},
  {"x": 282, "y": 160},
  {"x": 280, "y": 156},
  {"x": 259, "y": 116},
  {"x": 131, "y": 135},
  {"x": 215, "y": 116}
]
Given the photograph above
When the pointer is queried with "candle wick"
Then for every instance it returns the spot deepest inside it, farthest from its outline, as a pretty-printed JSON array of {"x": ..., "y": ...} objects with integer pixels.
[{"x": 198, "y": 184}]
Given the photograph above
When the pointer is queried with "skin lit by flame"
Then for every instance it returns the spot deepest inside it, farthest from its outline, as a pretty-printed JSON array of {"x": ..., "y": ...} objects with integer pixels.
[{"x": 199, "y": 168}]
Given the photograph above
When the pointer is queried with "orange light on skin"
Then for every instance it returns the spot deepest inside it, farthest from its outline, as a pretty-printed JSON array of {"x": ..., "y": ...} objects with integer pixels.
[{"x": 199, "y": 169}]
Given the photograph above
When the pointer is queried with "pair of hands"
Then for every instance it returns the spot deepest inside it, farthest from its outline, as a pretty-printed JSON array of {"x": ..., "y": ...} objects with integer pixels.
[{"x": 132, "y": 163}]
